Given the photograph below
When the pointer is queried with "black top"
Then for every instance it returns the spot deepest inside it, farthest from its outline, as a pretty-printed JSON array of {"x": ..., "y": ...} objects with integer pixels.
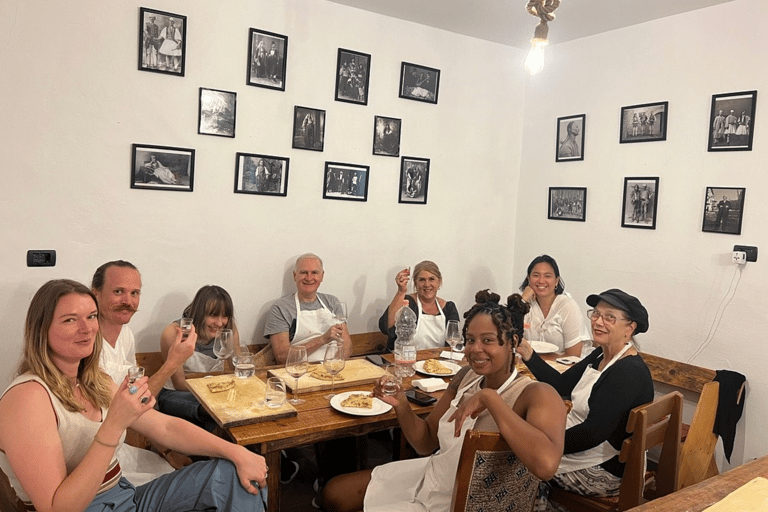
[
  {"x": 449, "y": 311},
  {"x": 625, "y": 385}
]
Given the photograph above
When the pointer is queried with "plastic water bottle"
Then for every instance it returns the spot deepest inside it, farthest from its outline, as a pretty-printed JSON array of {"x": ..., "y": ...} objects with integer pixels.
[{"x": 405, "y": 350}]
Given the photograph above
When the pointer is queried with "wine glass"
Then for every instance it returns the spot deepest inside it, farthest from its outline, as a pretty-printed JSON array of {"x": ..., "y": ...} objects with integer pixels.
[
  {"x": 453, "y": 335},
  {"x": 222, "y": 345},
  {"x": 334, "y": 363},
  {"x": 340, "y": 314},
  {"x": 296, "y": 365}
]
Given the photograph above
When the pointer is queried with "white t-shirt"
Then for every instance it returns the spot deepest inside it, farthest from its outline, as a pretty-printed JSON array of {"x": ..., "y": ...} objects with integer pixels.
[{"x": 565, "y": 325}]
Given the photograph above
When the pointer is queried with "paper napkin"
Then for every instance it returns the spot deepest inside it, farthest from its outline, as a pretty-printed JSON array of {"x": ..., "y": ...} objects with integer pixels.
[{"x": 430, "y": 385}]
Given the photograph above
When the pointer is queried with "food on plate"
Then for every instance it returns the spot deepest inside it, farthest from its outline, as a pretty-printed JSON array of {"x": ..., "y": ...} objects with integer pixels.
[
  {"x": 219, "y": 387},
  {"x": 435, "y": 366},
  {"x": 321, "y": 373},
  {"x": 358, "y": 401}
]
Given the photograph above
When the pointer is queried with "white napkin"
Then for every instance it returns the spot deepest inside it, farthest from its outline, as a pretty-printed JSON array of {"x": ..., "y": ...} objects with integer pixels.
[
  {"x": 430, "y": 385},
  {"x": 457, "y": 356}
]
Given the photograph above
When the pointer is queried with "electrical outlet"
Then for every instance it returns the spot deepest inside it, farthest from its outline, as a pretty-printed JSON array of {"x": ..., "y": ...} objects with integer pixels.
[
  {"x": 41, "y": 258},
  {"x": 739, "y": 257},
  {"x": 750, "y": 250}
]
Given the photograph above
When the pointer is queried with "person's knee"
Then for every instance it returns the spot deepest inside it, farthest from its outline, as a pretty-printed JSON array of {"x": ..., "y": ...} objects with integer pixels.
[{"x": 345, "y": 493}]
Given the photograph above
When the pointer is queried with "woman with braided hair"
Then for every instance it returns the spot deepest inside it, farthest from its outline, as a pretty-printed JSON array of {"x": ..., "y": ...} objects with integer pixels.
[{"x": 486, "y": 395}]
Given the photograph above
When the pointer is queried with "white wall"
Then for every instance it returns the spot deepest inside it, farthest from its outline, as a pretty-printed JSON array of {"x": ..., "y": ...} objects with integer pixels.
[
  {"x": 679, "y": 272},
  {"x": 74, "y": 102}
]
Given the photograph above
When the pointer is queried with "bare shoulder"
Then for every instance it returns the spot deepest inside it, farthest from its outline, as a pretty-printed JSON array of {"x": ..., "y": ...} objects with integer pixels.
[
  {"x": 22, "y": 407},
  {"x": 539, "y": 394}
]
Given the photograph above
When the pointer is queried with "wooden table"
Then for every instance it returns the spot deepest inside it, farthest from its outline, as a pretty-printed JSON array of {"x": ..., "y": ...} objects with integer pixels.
[
  {"x": 316, "y": 421},
  {"x": 705, "y": 494}
]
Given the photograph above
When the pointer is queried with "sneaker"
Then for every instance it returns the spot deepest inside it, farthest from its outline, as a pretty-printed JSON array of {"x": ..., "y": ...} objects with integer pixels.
[{"x": 294, "y": 472}]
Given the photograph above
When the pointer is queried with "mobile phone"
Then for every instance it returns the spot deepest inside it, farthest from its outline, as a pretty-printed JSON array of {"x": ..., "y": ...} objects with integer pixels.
[
  {"x": 376, "y": 359},
  {"x": 419, "y": 397}
]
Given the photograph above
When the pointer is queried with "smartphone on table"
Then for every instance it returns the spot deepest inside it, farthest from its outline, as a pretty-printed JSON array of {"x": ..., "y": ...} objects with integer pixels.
[{"x": 419, "y": 397}]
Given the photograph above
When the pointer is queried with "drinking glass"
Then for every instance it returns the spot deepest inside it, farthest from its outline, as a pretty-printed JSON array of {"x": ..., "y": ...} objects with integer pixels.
[
  {"x": 135, "y": 373},
  {"x": 453, "y": 335},
  {"x": 296, "y": 365},
  {"x": 186, "y": 326},
  {"x": 222, "y": 345},
  {"x": 334, "y": 363},
  {"x": 390, "y": 382},
  {"x": 340, "y": 314},
  {"x": 244, "y": 366},
  {"x": 274, "y": 394}
]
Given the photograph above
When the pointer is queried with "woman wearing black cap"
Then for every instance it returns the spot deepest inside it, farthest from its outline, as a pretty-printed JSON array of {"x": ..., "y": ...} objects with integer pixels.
[{"x": 604, "y": 387}]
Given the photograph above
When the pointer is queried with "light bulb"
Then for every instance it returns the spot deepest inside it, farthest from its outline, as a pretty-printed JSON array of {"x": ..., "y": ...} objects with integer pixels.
[{"x": 535, "y": 60}]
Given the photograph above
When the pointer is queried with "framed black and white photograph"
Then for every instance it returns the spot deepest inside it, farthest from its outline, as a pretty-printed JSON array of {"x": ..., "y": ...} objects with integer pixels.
[
  {"x": 353, "y": 71},
  {"x": 217, "y": 113},
  {"x": 567, "y": 203},
  {"x": 162, "y": 167},
  {"x": 386, "y": 136},
  {"x": 414, "y": 179},
  {"x": 638, "y": 208},
  {"x": 267, "y": 57},
  {"x": 348, "y": 182},
  {"x": 261, "y": 174},
  {"x": 723, "y": 210},
  {"x": 308, "y": 128},
  {"x": 732, "y": 121},
  {"x": 162, "y": 42},
  {"x": 570, "y": 138},
  {"x": 644, "y": 123},
  {"x": 419, "y": 83}
]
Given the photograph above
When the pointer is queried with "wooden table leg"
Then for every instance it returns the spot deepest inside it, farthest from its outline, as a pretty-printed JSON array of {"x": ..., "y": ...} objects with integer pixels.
[{"x": 273, "y": 480}]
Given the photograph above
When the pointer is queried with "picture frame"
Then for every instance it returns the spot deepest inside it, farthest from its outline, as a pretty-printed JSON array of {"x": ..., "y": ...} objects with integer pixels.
[
  {"x": 265, "y": 175},
  {"x": 346, "y": 182},
  {"x": 353, "y": 76},
  {"x": 308, "y": 128},
  {"x": 723, "y": 210},
  {"x": 217, "y": 113},
  {"x": 639, "y": 203},
  {"x": 162, "y": 42},
  {"x": 644, "y": 123},
  {"x": 386, "y": 136},
  {"x": 567, "y": 203},
  {"x": 570, "y": 138},
  {"x": 419, "y": 83},
  {"x": 267, "y": 59},
  {"x": 732, "y": 121},
  {"x": 162, "y": 167},
  {"x": 414, "y": 180}
]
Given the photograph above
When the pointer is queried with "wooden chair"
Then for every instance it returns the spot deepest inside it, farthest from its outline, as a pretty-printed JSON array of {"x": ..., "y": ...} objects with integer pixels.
[
  {"x": 656, "y": 423},
  {"x": 9, "y": 500},
  {"x": 697, "y": 457},
  {"x": 491, "y": 478}
]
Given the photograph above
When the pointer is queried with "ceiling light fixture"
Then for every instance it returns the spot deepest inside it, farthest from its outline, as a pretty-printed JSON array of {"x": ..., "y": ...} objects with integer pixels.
[{"x": 542, "y": 9}]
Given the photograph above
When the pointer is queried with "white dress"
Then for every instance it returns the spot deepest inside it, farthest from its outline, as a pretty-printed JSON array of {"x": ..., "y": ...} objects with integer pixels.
[{"x": 564, "y": 326}]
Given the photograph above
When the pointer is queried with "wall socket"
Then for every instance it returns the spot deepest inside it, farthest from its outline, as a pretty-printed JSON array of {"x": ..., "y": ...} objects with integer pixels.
[
  {"x": 45, "y": 258},
  {"x": 739, "y": 257},
  {"x": 750, "y": 251}
]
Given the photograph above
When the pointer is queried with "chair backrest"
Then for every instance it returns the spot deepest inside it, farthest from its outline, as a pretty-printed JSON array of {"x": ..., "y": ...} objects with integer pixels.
[
  {"x": 490, "y": 476},
  {"x": 653, "y": 424},
  {"x": 697, "y": 456}
]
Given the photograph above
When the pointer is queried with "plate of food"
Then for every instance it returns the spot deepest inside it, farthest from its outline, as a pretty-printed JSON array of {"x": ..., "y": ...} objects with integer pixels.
[
  {"x": 359, "y": 403},
  {"x": 436, "y": 368},
  {"x": 542, "y": 347}
]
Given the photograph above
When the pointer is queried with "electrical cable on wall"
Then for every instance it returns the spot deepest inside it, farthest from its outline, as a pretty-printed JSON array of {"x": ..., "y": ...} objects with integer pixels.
[{"x": 719, "y": 313}]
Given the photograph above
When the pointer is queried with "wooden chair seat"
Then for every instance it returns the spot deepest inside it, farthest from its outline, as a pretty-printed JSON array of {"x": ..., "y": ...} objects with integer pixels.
[
  {"x": 491, "y": 478},
  {"x": 656, "y": 423}
]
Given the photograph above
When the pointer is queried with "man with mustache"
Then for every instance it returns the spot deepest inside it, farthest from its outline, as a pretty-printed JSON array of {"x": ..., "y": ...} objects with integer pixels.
[{"x": 117, "y": 287}]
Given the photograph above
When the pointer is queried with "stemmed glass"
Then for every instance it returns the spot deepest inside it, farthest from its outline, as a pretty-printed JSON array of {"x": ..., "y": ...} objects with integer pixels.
[
  {"x": 223, "y": 344},
  {"x": 296, "y": 365},
  {"x": 452, "y": 335},
  {"x": 334, "y": 363},
  {"x": 340, "y": 313}
]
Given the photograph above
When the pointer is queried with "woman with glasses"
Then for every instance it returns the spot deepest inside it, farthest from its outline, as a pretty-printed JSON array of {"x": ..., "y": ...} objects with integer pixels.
[
  {"x": 604, "y": 387},
  {"x": 554, "y": 316}
]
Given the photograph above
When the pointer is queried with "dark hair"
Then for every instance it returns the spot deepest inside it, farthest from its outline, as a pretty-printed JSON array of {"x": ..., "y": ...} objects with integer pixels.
[
  {"x": 210, "y": 300},
  {"x": 508, "y": 318},
  {"x": 545, "y": 258},
  {"x": 97, "y": 283}
]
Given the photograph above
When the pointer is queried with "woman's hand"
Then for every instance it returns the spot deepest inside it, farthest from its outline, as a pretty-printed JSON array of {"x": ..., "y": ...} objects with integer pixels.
[
  {"x": 396, "y": 400},
  {"x": 401, "y": 280},
  {"x": 127, "y": 407},
  {"x": 471, "y": 408},
  {"x": 251, "y": 467},
  {"x": 524, "y": 349},
  {"x": 528, "y": 294}
]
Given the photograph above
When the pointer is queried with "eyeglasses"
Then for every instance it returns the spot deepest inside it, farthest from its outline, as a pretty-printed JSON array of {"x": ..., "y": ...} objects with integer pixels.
[{"x": 608, "y": 318}]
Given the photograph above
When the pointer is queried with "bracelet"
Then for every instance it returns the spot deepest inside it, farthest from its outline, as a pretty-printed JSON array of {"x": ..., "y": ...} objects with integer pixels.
[{"x": 96, "y": 438}]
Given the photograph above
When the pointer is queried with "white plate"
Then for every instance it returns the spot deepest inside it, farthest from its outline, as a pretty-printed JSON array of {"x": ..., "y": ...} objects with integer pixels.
[
  {"x": 379, "y": 407},
  {"x": 419, "y": 367},
  {"x": 542, "y": 347}
]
